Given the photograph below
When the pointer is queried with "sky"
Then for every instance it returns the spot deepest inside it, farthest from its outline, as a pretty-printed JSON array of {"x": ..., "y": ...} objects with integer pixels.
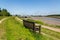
[{"x": 31, "y": 7}]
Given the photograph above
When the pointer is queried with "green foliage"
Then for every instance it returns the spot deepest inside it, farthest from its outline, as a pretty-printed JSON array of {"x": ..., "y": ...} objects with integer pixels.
[
  {"x": 54, "y": 15},
  {"x": 4, "y": 12},
  {"x": 0, "y": 9}
]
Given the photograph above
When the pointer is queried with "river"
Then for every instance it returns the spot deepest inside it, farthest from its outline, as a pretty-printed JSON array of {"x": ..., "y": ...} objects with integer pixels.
[{"x": 48, "y": 20}]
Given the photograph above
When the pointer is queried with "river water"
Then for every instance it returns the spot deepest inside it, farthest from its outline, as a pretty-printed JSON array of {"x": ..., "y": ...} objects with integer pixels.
[{"x": 48, "y": 20}]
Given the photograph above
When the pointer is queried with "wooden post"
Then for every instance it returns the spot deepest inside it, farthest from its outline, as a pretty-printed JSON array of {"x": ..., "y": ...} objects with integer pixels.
[
  {"x": 39, "y": 29},
  {"x": 33, "y": 27}
]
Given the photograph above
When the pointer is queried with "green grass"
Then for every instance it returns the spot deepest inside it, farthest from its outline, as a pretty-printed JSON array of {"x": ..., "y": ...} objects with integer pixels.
[
  {"x": 47, "y": 31},
  {"x": 1, "y": 17},
  {"x": 50, "y": 32},
  {"x": 16, "y": 31}
]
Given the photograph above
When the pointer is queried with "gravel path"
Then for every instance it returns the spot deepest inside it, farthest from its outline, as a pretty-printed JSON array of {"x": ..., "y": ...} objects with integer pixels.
[{"x": 52, "y": 28}]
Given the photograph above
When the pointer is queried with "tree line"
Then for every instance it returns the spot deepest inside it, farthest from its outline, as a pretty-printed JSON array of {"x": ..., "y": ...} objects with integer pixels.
[{"x": 4, "y": 12}]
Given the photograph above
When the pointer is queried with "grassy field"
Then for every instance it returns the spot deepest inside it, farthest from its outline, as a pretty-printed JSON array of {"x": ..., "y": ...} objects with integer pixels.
[
  {"x": 50, "y": 32},
  {"x": 14, "y": 30},
  {"x": 1, "y": 17}
]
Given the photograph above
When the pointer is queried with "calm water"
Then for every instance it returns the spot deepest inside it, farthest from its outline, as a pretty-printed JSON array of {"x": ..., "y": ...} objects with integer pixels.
[
  {"x": 48, "y": 20},
  {"x": 52, "y": 19}
]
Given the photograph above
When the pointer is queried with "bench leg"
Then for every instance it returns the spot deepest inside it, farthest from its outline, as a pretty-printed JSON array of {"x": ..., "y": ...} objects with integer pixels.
[{"x": 39, "y": 29}]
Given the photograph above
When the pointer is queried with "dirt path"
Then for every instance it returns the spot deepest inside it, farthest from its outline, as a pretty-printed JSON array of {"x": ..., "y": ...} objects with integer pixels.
[
  {"x": 18, "y": 19},
  {"x": 2, "y": 34},
  {"x": 51, "y": 28},
  {"x": 2, "y": 20},
  {"x": 2, "y": 30}
]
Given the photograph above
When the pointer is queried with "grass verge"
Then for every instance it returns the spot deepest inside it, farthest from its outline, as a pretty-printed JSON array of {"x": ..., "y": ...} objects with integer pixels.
[
  {"x": 16, "y": 31},
  {"x": 50, "y": 32},
  {"x": 1, "y": 17}
]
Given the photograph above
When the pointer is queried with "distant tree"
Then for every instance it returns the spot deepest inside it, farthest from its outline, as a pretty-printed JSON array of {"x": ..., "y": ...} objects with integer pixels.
[
  {"x": 16, "y": 15},
  {"x": 0, "y": 12},
  {"x": 4, "y": 12},
  {"x": 8, "y": 14},
  {"x": 0, "y": 9}
]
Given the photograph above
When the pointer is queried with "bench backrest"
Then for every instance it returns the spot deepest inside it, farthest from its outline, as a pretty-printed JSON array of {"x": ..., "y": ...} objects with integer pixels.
[
  {"x": 31, "y": 25},
  {"x": 28, "y": 24}
]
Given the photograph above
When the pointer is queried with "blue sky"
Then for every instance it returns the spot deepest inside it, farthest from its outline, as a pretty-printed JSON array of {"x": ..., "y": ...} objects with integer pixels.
[{"x": 31, "y": 7}]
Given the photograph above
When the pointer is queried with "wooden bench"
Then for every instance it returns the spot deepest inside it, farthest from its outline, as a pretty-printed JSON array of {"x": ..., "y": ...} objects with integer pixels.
[{"x": 32, "y": 25}]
